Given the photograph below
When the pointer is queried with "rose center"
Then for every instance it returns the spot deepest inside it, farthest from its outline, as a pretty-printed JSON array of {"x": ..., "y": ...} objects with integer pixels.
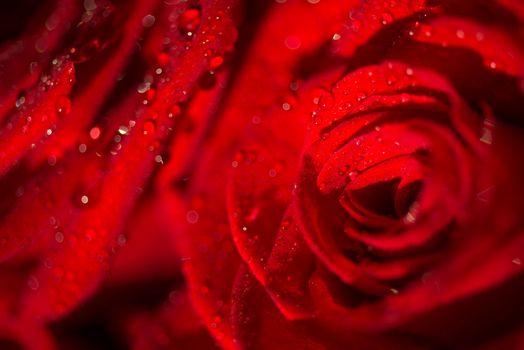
[{"x": 386, "y": 198}]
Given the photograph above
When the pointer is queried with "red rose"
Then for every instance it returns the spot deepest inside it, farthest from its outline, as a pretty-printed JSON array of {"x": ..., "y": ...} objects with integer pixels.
[
  {"x": 346, "y": 174},
  {"x": 375, "y": 196},
  {"x": 93, "y": 94}
]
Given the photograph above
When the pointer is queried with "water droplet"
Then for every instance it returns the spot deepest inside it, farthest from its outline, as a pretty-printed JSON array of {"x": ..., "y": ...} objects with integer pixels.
[
  {"x": 153, "y": 146},
  {"x": 148, "y": 21},
  {"x": 325, "y": 100},
  {"x": 189, "y": 21},
  {"x": 343, "y": 170},
  {"x": 123, "y": 130},
  {"x": 162, "y": 59},
  {"x": 63, "y": 105},
  {"x": 121, "y": 240},
  {"x": 386, "y": 18},
  {"x": 33, "y": 283},
  {"x": 174, "y": 111},
  {"x": 285, "y": 224},
  {"x": 87, "y": 51},
  {"x": 516, "y": 261},
  {"x": 89, "y": 5},
  {"x": 411, "y": 215},
  {"x": 149, "y": 127},
  {"x": 51, "y": 160},
  {"x": 94, "y": 133},
  {"x": 492, "y": 64},
  {"x": 41, "y": 45},
  {"x": 149, "y": 96},
  {"x": 192, "y": 217},
  {"x": 486, "y": 195},
  {"x": 143, "y": 87},
  {"x": 361, "y": 96},
  {"x": 20, "y": 100},
  {"x": 479, "y": 36},
  {"x": 59, "y": 237},
  {"x": 292, "y": 42},
  {"x": 426, "y": 30},
  {"x": 487, "y": 136},
  {"x": 216, "y": 62},
  {"x": 391, "y": 80}
]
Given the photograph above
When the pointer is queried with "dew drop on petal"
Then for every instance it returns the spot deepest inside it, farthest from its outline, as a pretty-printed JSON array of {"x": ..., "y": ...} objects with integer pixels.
[
  {"x": 391, "y": 80},
  {"x": 162, "y": 59},
  {"x": 33, "y": 283},
  {"x": 216, "y": 62},
  {"x": 285, "y": 224},
  {"x": 189, "y": 21},
  {"x": 325, "y": 100},
  {"x": 426, "y": 30},
  {"x": 143, "y": 87},
  {"x": 149, "y": 127},
  {"x": 90, "y": 5},
  {"x": 343, "y": 170},
  {"x": 174, "y": 111},
  {"x": 20, "y": 101},
  {"x": 479, "y": 36},
  {"x": 386, "y": 18},
  {"x": 148, "y": 21},
  {"x": 51, "y": 160},
  {"x": 63, "y": 105},
  {"x": 59, "y": 237},
  {"x": 361, "y": 96},
  {"x": 149, "y": 96},
  {"x": 121, "y": 240},
  {"x": 293, "y": 42}
]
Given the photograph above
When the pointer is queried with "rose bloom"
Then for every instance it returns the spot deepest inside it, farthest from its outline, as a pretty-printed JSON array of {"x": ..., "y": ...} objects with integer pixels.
[{"x": 259, "y": 174}]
